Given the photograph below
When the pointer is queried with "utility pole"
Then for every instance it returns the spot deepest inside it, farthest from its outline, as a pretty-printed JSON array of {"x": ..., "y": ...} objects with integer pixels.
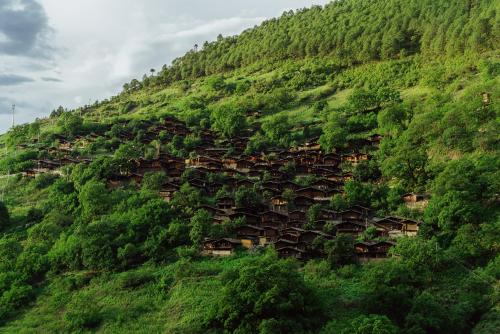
[{"x": 13, "y": 115}]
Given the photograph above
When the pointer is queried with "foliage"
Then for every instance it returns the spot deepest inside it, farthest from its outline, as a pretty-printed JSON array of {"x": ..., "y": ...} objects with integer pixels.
[
  {"x": 4, "y": 216},
  {"x": 228, "y": 120},
  {"x": 265, "y": 296},
  {"x": 340, "y": 251},
  {"x": 77, "y": 255},
  {"x": 246, "y": 197}
]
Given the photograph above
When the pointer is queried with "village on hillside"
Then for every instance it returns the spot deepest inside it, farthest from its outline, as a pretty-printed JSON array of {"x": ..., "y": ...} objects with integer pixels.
[{"x": 283, "y": 221}]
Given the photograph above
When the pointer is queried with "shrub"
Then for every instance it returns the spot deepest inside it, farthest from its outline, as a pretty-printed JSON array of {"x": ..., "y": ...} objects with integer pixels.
[
  {"x": 134, "y": 279},
  {"x": 17, "y": 296},
  {"x": 83, "y": 313}
]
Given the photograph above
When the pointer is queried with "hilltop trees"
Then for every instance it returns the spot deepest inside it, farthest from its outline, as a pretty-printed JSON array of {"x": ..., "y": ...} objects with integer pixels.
[{"x": 382, "y": 31}]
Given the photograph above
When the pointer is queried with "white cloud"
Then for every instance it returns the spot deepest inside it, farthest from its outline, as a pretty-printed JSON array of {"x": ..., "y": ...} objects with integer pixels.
[{"x": 98, "y": 45}]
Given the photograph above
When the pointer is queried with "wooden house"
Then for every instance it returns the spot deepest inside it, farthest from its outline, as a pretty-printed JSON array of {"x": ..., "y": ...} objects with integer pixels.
[
  {"x": 390, "y": 223},
  {"x": 410, "y": 227},
  {"x": 67, "y": 161},
  {"x": 271, "y": 191},
  {"x": 220, "y": 220},
  {"x": 279, "y": 204},
  {"x": 372, "y": 249},
  {"x": 271, "y": 233},
  {"x": 413, "y": 198},
  {"x": 286, "y": 252},
  {"x": 221, "y": 247},
  {"x": 398, "y": 226},
  {"x": 350, "y": 227},
  {"x": 250, "y": 219},
  {"x": 324, "y": 184},
  {"x": 320, "y": 224},
  {"x": 364, "y": 210},
  {"x": 249, "y": 231},
  {"x": 309, "y": 146},
  {"x": 288, "y": 243},
  {"x": 355, "y": 158},
  {"x": 276, "y": 174},
  {"x": 292, "y": 237},
  {"x": 308, "y": 237},
  {"x": 212, "y": 210},
  {"x": 297, "y": 215},
  {"x": 144, "y": 166},
  {"x": 324, "y": 168},
  {"x": 30, "y": 173},
  {"x": 415, "y": 201},
  {"x": 244, "y": 165},
  {"x": 303, "y": 203},
  {"x": 310, "y": 192},
  {"x": 331, "y": 159},
  {"x": 328, "y": 214},
  {"x": 244, "y": 183},
  {"x": 273, "y": 218},
  {"x": 375, "y": 140},
  {"x": 225, "y": 203},
  {"x": 306, "y": 160},
  {"x": 289, "y": 185},
  {"x": 351, "y": 215},
  {"x": 334, "y": 177},
  {"x": 296, "y": 223},
  {"x": 276, "y": 186},
  {"x": 294, "y": 230},
  {"x": 168, "y": 190},
  {"x": 216, "y": 152},
  {"x": 204, "y": 161}
]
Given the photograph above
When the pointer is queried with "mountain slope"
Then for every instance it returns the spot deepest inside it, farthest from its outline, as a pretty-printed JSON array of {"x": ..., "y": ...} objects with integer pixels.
[{"x": 342, "y": 130}]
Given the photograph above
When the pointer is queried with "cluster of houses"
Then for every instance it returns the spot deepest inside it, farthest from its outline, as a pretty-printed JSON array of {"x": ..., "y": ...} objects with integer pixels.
[
  {"x": 275, "y": 175},
  {"x": 292, "y": 235}
]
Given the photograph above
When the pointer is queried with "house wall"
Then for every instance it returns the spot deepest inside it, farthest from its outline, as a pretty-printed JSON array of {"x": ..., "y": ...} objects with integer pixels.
[{"x": 222, "y": 252}]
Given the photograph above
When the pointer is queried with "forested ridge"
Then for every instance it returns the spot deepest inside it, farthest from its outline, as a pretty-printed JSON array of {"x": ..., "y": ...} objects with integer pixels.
[
  {"x": 351, "y": 32},
  {"x": 334, "y": 170}
]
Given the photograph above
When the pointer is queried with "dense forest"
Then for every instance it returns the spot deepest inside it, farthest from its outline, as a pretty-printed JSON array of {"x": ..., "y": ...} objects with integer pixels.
[{"x": 90, "y": 243}]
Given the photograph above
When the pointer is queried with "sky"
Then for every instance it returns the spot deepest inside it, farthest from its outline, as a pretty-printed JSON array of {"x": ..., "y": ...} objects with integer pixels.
[{"x": 71, "y": 52}]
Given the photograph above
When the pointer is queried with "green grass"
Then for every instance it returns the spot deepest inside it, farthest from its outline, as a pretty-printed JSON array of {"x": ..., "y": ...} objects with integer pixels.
[{"x": 339, "y": 99}]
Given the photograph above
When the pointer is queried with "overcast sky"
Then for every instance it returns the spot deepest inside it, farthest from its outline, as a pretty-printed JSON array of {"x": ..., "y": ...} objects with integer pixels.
[{"x": 67, "y": 52}]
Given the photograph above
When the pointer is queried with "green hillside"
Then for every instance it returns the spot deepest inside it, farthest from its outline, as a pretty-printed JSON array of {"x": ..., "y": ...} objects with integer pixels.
[{"x": 363, "y": 134}]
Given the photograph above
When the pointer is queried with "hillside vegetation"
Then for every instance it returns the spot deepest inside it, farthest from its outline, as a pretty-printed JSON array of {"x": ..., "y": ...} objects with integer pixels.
[{"x": 93, "y": 238}]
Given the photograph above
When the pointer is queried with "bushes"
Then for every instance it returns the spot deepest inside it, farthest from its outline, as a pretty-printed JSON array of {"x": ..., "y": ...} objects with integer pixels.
[
  {"x": 135, "y": 279},
  {"x": 19, "y": 162},
  {"x": 228, "y": 120},
  {"x": 70, "y": 124},
  {"x": 42, "y": 181},
  {"x": 14, "y": 298},
  {"x": 83, "y": 312},
  {"x": 265, "y": 295},
  {"x": 4, "y": 216}
]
